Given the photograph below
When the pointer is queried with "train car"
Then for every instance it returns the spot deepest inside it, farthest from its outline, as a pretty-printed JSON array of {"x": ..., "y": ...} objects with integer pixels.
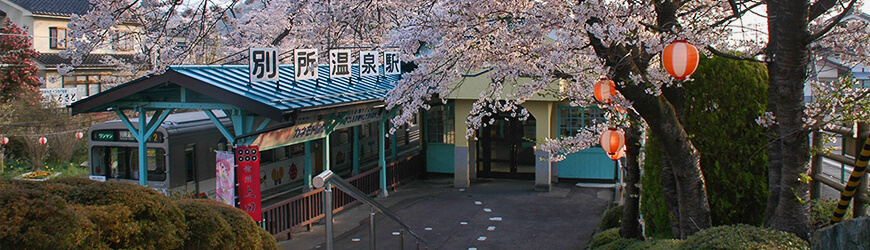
[{"x": 181, "y": 154}]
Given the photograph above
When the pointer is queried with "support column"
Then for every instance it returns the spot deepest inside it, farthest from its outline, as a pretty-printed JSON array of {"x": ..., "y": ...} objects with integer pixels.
[
  {"x": 382, "y": 162},
  {"x": 142, "y": 133},
  {"x": 326, "y": 155},
  {"x": 543, "y": 169},
  {"x": 306, "y": 167},
  {"x": 355, "y": 149},
  {"x": 393, "y": 153}
]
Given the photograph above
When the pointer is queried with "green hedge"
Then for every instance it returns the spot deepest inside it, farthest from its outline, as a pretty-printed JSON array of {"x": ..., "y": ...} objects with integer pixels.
[
  {"x": 604, "y": 237},
  {"x": 743, "y": 236},
  {"x": 721, "y": 106},
  {"x": 611, "y": 218},
  {"x": 76, "y": 213}
]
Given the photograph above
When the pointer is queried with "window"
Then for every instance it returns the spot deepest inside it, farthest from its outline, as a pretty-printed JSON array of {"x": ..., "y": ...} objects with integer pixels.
[
  {"x": 123, "y": 163},
  {"x": 87, "y": 85},
  {"x": 57, "y": 37},
  {"x": 123, "y": 41},
  {"x": 572, "y": 119},
  {"x": 439, "y": 124}
]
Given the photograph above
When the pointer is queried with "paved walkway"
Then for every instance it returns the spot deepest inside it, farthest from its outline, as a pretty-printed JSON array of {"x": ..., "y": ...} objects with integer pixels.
[{"x": 491, "y": 214}]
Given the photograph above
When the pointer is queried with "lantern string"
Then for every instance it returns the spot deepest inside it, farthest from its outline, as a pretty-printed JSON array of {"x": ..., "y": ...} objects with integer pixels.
[{"x": 43, "y": 134}]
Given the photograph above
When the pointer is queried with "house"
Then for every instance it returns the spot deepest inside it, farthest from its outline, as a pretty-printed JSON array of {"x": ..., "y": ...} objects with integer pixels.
[{"x": 46, "y": 21}]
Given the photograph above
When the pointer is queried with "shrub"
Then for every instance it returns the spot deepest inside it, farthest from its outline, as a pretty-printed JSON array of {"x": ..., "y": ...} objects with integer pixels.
[
  {"x": 611, "y": 218},
  {"x": 821, "y": 212},
  {"x": 247, "y": 234},
  {"x": 34, "y": 219},
  {"x": 207, "y": 228},
  {"x": 658, "y": 244},
  {"x": 619, "y": 244},
  {"x": 604, "y": 237},
  {"x": 153, "y": 221},
  {"x": 743, "y": 236}
]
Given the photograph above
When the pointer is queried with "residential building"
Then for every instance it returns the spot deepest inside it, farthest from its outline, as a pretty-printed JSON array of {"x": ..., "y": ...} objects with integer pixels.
[{"x": 46, "y": 21}]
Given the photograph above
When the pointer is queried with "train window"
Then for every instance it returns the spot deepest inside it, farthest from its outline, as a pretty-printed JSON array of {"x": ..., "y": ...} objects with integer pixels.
[
  {"x": 123, "y": 163},
  {"x": 297, "y": 149},
  {"x": 267, "y": 156},
  {"x": 156, "y": 161}
]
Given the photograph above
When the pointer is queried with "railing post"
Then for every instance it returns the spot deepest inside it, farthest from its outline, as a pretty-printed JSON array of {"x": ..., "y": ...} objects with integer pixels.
[
  {"x": 328, "y": 212},
  {"x": 816, "y": 165},
  {"x": 372, "y": 229},
  {"x": 858, "y": 205},
  {"x": 402, "y": 239}
]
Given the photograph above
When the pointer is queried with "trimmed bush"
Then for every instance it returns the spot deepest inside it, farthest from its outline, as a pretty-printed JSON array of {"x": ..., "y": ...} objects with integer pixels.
[
  {"x": 743, "y": 236},
  {"x": 821, "y": 212},
  {"x": 662, "y": 244},
  {"x": 34, "y": 219},
  {"x": 619, "y": 244},
  {"x": 207, "y": 228},
  {"x": 153, "y": 221},
  {"x": 604, "y": 237},
  {"x": 247, "y": 234},
  {"x": 611, "y": 218}
]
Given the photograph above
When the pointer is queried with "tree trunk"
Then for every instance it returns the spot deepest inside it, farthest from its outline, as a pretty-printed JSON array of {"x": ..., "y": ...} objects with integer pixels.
[
  {"x": 788, "y": 57},
  {"x": 630, "y": 227}
]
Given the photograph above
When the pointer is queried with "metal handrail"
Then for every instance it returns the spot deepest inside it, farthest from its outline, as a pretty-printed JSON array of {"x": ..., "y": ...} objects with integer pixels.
[{"x": 328, "y": 177}]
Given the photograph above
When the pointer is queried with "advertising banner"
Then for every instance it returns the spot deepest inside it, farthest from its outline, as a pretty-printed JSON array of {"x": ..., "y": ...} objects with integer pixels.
[
  {"x": 225, "y": 177},
  {"x": 248, "y": 176}
]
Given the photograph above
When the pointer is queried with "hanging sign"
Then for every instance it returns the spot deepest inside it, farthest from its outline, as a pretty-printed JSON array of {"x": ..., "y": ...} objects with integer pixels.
[
  {"x": 391, "y": 63},
  {"x": 263, "y": 64},
  {"x": 225, "y": 177},
  {"x": 305, "y": 64},
  {"x": 339, "y": 63},
  {"x": 368, "y": 63},
  {"x": 248, "y": 178}
]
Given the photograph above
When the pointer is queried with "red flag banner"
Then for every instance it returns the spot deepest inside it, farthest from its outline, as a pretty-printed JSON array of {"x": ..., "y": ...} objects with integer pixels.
[{"x": 248, "y": 177}]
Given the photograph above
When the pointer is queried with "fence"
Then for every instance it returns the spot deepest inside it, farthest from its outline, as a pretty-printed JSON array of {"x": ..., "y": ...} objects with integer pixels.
[
  {"x": 303, "y": 210},
  {"x": 853, "y": 141}
]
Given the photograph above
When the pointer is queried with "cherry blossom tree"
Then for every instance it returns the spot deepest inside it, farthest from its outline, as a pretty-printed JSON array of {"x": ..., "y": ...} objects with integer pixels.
[{"x": 552, "y": 48}]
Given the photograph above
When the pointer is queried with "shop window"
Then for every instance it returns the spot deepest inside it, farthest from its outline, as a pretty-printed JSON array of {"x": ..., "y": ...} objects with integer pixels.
[
  {"x": 123, "y": 41},
  {"x": 440, "y": 124},
  {"x": 572, "y": 119},
  {"x": 57, "y": 37}
]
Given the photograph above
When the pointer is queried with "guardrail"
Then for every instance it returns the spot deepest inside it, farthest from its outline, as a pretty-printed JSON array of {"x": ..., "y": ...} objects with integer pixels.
[
  {"x": 853, "y": 142},
  {"x": 308, "y": 208}
]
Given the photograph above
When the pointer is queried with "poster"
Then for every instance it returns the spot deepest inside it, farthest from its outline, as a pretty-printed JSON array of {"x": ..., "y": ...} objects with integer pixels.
[
  {"x": 248, "y": 176},
  {"x": 225, "y": 177}
]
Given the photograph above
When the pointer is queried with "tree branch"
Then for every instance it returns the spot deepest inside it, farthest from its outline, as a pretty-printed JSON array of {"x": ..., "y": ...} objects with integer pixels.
[
  {"x": 820, "y": 7},
  {"x": 730, "y": 56},
  {"x": 836, "y": 20}
]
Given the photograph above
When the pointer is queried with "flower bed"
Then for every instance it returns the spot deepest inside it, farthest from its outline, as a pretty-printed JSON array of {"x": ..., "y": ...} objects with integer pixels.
[{"x": 39, "y": 175}]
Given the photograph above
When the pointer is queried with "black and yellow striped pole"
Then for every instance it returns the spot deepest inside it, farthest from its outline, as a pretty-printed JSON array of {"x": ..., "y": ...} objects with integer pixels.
[{"x": 852, "y": 184}]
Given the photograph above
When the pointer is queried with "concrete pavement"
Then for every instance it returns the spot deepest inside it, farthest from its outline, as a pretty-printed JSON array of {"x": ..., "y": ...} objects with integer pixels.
[{"x": 491, "y": 214}]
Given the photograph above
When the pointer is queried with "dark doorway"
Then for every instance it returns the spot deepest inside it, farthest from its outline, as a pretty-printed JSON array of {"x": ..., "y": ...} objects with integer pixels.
[{"x": 505, "y": 148}]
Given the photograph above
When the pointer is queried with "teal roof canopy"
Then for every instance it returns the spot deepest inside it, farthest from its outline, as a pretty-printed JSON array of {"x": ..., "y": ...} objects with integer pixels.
[{"x": 227, "y": 87}]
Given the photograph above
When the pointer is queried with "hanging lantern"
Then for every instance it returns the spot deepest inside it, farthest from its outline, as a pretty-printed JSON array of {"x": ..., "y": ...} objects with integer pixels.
[
  {"x": 604, "y": 90},
  {"x": 43, "y": 140},
  {"x": 79, "y": 135},
  {"x": 680, "y": 59},
  {"x": 4, "y": 140},
  {"x": 612, "y": 141},
  {"x": 621, "y": 111}
]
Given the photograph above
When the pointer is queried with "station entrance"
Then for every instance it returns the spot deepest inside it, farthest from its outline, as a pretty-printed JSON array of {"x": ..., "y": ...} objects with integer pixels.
[{"x": 505, "y": 148}]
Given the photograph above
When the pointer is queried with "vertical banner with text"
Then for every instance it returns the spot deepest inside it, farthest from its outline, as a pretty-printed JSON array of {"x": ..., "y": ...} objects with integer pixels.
[
  {"x": 248, "y": 177},
  {"x": 226, "y": 184}
]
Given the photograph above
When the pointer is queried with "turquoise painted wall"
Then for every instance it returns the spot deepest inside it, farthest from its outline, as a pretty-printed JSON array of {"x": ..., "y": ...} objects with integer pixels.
[
  {"x": 591, "y": 163},
  {"x": 439, "y": 158}
]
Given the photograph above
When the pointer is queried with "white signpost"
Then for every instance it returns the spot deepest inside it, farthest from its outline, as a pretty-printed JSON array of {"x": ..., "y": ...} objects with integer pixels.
[
  {"x": 339, "y": 63},
  {"x": 368, "y": 63},
  {"x": 63, "y": 96},
  {"x": 263, "y": 64},
  {"x": 392, "y": 63},
  {"x": 305, "y": 64}
]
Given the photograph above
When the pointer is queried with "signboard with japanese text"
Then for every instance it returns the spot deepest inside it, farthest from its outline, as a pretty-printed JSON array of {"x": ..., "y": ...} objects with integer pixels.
[
  {"x": 368, "y": 63},
  {"x": 263, "y": 64},
  {"x": 339, "y": 63},
  {"x": 305, "y": 64},
  {"x": 392, "y": 63},
  {"x": 310, "y": 127},
  {"x": 248, "y": 178},
  {"x": 225, "y": 177},
  {"x": 62, "y": 96}
]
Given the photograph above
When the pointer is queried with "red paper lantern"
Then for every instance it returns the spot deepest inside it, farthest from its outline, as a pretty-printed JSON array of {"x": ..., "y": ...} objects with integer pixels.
[
  {"x": 680, "y": 59},
  {"x": 79, "y": 135},
  {"x": 43, "y": 140},
  {"x": 612, "y": 141},
  {"x": 4, "y": 140},
  {"x": 604, "y": 90}
]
